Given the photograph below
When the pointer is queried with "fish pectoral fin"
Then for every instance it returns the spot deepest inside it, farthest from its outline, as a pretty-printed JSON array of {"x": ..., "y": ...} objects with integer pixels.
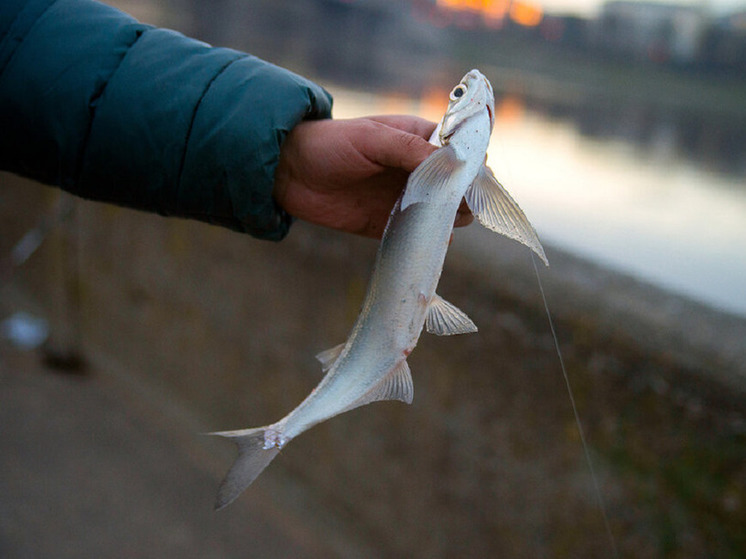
[
  {"x": 445, "y": 319},
  {"x": 329, "y": 356},
  {"x": 497, "y": 211},
  {"x": 430, "y": 176},
  {"x": 397, "y": 385}
]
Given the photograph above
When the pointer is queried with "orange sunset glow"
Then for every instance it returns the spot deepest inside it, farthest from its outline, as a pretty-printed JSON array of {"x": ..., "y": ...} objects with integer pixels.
[{"x": 494, "y": 12}]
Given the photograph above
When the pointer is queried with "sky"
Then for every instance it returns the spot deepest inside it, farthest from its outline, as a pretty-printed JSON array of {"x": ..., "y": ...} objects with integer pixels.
[{"x": 589, "y": 7}]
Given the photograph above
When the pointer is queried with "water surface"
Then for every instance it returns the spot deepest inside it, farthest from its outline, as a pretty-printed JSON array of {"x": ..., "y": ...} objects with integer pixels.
[{"x": 643, "y": 209}]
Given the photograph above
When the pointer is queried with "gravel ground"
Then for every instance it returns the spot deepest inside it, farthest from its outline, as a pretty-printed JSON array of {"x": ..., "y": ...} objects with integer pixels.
[
  {"x": 94, "y": 465},
  {"x": 184, "y": 332}
]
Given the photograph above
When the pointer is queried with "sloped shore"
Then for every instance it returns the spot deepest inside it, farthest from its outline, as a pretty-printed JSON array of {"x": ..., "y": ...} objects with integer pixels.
[
  {"x": 656, "y": 320},
  {"x": 486, "y": 461}
]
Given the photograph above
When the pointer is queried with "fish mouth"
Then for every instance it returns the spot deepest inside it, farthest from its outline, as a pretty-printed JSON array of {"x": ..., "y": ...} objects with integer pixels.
[{"x": 475, "y": 76}]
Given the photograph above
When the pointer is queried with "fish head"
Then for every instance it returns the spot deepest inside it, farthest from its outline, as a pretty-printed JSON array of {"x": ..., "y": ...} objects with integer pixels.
[{"x": 472, "y": 96}]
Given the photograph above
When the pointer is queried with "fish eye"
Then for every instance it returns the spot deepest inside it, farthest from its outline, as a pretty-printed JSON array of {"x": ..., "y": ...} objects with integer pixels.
[{"x": 458, "y": 91}]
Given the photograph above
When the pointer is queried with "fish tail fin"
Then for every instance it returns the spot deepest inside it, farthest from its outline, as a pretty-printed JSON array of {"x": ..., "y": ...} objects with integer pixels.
[{"x": 254, "y": 454}]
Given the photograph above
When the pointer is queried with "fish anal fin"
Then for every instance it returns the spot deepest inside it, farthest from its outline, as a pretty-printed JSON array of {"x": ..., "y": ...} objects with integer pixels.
[
  {"x": 430, "y": 176},
  {"x": 329, "y": 356},
  {"x": 496, "y": 210},
  {"x": 445, "y": 319},
  {"x": 397, "y": 385}
]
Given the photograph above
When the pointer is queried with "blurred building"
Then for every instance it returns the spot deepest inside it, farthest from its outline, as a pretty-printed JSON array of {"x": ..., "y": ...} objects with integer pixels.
[
  {"x": 566, "y": 30},
  {"x": 724, "y": 47},
  {"x": 650, "y": 31},
  {"x": 353, "y": 42}
]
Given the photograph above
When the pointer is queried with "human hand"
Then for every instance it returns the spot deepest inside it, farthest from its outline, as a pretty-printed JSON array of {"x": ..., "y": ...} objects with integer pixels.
[{"x": 347, "y": 174}]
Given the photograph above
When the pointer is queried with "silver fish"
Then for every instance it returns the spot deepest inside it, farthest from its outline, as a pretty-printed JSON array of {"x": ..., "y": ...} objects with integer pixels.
[{"x": 372, "y": 364}]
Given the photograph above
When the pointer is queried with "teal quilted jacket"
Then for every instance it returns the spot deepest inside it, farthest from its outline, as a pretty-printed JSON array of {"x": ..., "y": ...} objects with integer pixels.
[{"x": 111, "y": 109}]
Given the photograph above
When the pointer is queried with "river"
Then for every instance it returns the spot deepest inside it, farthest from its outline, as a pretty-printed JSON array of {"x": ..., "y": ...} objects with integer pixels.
[{"x": 644, "y": 210}]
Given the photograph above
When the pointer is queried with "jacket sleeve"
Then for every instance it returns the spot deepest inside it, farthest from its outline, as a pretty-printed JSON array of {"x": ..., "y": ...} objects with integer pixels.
[{"x": 114, "y": 110}]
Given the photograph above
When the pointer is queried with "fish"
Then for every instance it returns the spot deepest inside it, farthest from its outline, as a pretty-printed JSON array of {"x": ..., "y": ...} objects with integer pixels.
[{"x": 401, "y": 300}]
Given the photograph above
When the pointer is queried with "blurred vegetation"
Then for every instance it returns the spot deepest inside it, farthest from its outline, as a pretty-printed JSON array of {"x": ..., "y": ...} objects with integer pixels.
[{"x": 543, "y": 69}]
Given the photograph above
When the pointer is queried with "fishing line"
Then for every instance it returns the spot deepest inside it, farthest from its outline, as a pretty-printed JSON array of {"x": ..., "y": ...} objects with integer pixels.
[{"x": 597, "y": 487}]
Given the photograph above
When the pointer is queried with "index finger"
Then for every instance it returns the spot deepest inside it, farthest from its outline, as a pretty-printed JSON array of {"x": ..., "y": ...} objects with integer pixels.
[
  {"x": 408, "y": 123},
  {"x": 392, "y": 147}
]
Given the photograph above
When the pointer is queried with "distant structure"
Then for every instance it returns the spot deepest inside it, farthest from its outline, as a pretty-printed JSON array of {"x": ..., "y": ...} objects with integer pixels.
[
  {"x": 409, "y": 44},
  {"x": 353, "y": 42},
  {"x": 724, "y": 47},
  {"x": 652, "y": 31}
]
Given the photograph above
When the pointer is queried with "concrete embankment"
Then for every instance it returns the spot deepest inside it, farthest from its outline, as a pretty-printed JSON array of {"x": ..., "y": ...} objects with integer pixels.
[{"x": 189, "y": 328}]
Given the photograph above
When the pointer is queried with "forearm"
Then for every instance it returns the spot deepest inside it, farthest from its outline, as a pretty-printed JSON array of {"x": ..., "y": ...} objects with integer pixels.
[{"x": 114, "y": 110}]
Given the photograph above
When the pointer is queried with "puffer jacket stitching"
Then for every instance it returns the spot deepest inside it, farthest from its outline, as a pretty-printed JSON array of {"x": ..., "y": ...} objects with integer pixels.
[
  {"x": 193, "y": 118},
  {"x": 19, "y": 40},
  {"x": 93, "y": 102}
]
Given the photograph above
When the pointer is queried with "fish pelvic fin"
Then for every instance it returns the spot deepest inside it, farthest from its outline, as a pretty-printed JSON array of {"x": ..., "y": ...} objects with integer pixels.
[
  {"x": 496, "y": 210},
  {"x": 431, "y": 176},
  {"x": 445, "y": 319},
  {"x": 256, "y": 449}
]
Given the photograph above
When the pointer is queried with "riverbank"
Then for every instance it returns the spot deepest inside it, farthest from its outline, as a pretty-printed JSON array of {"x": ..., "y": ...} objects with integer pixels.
[
  {"x": 486, "y": 461},
  {"x": 620, "y": 306},
  {"x": 553, "y": 73}
]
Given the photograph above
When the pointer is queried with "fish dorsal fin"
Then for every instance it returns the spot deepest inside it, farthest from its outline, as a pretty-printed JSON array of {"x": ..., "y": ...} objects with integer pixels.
[
  {"x": 329, "y": 356},
  {"x": 397, "y": 385},
  {"x": 432, "y": 175},
  {"x": 445, "y": 319},
  {"x": 497, "y": 211}
]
